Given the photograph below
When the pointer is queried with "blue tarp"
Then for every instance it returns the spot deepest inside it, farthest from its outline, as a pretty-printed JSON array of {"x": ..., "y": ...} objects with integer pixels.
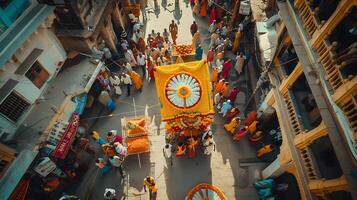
[{"x": 81, "y": 102}]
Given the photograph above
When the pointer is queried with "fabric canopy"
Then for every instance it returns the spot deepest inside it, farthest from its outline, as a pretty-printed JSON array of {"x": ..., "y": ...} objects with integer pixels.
[{"x": 184, "y": 88}]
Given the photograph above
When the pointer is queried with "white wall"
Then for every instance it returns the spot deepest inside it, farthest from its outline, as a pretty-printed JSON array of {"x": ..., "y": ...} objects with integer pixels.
[{"x": 53, "y": 53}]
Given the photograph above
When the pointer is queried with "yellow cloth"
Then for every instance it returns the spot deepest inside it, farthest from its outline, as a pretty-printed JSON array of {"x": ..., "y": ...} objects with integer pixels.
[
  {"x": 198, "y": 70},
  {"x": 218, "y": 87},
  {"x": 264, "y": 150},
  {"x": 231, "y": 126},
  {"x": 252, "y": 127},
  {"x": 179, "y": 60},
  {"x": 95, "y": 135},
  {"x": 135, "y": 77},
  {"x": 150, "y": 184},
  {"x": 214, "y": 77},
  {"x": 236, "y": 42}
]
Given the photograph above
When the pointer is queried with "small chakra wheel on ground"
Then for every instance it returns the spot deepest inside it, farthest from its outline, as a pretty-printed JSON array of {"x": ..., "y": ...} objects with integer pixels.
[
  {"x": 206, "y": 191},
  {"x": 183, "y": 90}
]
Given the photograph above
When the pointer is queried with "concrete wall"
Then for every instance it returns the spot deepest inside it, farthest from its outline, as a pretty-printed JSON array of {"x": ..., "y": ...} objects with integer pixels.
[{"x": 51, "y": 58}]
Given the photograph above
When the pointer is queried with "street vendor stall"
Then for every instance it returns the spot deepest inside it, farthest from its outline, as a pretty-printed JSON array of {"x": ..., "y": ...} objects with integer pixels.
[
  {"x": 186, "y": 52},
  {"x": 136, "y": 135}
]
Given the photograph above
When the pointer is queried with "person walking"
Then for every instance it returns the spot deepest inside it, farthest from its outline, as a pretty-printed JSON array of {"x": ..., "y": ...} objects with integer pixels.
[
  {"x": 98, "y": 138},
  {"x": 166, "y": 34},
  {"x": 193, "y": 28},
  {"x": 167, "y": 151},
  {"x": 173, "y": 31},
  {"x": 125, "y": 78},
  {"x": 150, "y": 183},
  {"x": 86, "y": 146},
  {"x": 137, "y": 82},
  {"x": 239, "y": 63},
  {"x": 109, "y": 194},
  {"x": 237, "y": 37},
  {"x": 140, "y": 59},
  {"x": 233, "y": 95},
  {"x": 226, "y": 68},
  {"x": 117, "y": 162},
  {"x": 103, "y": 166}
]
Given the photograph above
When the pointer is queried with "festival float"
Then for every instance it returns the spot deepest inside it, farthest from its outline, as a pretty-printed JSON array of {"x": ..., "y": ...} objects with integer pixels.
[{"x": 184, "y": 91}]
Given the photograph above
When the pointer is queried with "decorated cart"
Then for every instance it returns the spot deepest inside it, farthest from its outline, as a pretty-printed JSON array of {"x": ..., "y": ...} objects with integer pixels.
[
  {"x": 136, "y": 135},
  {"x": 184, "y": 52},
  {"x": 184, "y": 91},
  {"x": 205, "y": 191}
]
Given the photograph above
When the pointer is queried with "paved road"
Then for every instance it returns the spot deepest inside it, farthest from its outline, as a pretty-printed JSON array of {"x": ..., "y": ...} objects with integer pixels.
[{"x": 221, "y": 169}]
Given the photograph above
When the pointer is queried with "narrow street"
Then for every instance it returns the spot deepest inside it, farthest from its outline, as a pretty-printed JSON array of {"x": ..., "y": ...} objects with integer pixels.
[{"x": 221, "y": 169}]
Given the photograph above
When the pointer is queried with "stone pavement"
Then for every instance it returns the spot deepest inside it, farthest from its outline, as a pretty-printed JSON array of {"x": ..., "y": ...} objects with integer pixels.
[{"x": 222, "y": 168}]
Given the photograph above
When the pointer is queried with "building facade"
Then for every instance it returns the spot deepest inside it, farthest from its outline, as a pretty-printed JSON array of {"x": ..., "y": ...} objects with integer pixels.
[
  {"x": 313, "y": 74},
  {"x": 30, "y": 56},
  {"x": 84, "y": 25}
]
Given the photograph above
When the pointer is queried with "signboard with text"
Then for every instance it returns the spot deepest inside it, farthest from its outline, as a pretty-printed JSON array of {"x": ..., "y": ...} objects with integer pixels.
[{"x": 66, "y": 141}]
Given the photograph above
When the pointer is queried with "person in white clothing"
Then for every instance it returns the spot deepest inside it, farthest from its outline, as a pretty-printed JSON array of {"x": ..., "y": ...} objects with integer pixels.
[
  {"x": 117, "y": 162},
  {"x": 128, "y": 67},
  {"x": 219, "y": 65},
  {"x": 125, "y": 78},
  {"x": 115, "y": 80},
  {"x": 218, "y": 98},
  {"x": 167, "y": 151},
  {"x": 109, "y": 194},
  {"x": 129, "y": 56},
  {"x": 140, "y": 59}
]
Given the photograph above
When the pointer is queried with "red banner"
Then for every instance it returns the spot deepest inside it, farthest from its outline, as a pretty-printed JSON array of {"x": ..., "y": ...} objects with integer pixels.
[{"x": 66, "y": 141}]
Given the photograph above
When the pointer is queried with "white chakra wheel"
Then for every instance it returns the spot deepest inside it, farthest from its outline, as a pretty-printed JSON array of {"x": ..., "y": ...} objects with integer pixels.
[{"x": 183, "y": 90}]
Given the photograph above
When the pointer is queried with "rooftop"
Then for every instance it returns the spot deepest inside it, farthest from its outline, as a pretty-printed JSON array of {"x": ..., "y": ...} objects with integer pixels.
[{"x": 57, "y": 99}]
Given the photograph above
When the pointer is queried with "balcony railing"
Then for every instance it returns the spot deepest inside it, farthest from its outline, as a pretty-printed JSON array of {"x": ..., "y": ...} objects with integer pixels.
[
  {"x": 308, "y": 164},
  {"x": 308, "y": 16},
  {"x": 325, "y": 52},
  {"x": 292, "y": 114},
  {"x": 350, "y": 110}
]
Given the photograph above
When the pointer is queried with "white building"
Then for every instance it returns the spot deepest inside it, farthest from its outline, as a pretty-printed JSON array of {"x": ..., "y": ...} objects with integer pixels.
[{"x": 25, "y": 74}]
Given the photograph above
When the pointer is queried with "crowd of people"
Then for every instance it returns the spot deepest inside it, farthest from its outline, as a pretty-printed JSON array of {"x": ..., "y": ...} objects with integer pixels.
[{"x": 142, "y": 55}]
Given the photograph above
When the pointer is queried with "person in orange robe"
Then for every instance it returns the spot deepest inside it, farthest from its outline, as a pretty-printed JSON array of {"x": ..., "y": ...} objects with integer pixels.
[
  {"x": 219, "y": 85},
  {"x": 138, "y": 83},
  {"x": 141, "y": 45},
  {"x": 225, "y": 90},
  {"x": 214, "y": 77},
  {"x": 173, "y": 28},
  {"x": 203, "y": 9},
  {"x": 237, "y": 37}
]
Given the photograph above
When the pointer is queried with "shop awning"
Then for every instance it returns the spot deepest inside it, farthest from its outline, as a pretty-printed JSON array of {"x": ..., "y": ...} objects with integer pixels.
[
  {"x": 15, "y": 172},
  {"x": 68, "y": 137}
]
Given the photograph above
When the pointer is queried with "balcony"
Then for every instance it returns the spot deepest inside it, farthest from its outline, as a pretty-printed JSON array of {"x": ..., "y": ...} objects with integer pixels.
[
  {"x": 308, "y": 15},
  {"x": 10, "y": 11},
  {"x": 21, "y": 30},
  {"x": 325, "y": 158}
]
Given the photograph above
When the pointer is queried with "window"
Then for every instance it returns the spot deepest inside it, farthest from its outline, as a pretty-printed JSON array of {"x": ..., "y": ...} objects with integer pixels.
[
  {"x": 37, "y": 74},
  {"x": 13, "y": 107}
]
